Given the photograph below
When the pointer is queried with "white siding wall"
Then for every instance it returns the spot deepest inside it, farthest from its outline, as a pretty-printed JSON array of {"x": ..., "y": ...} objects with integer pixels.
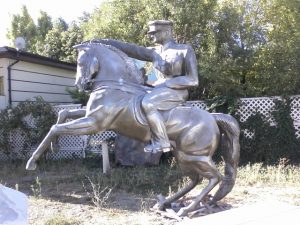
[
  {"x": 29, "y": 80},
  {"x": 3, "y": 73}
]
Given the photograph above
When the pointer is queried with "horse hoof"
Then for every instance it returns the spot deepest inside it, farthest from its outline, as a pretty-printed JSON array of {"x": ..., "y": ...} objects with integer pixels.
[
  {"x": 156, "y": 207},
  {"x": 182, "y": 212},
  {"x": 161, "y": 205},
  {"x": 31, "y": 165}
]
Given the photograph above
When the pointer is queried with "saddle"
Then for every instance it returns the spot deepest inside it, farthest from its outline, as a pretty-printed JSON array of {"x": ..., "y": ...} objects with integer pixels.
[{"x": 140, "y": 116}]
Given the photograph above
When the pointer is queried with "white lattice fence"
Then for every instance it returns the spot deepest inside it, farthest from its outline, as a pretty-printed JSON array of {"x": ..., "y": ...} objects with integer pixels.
[
  {"x": 200, "y": 104},
  {"x": 70, "y": 147},
  {"x": 296, "y": 114},
  {"x": 75, "y": 146},
  {"x": 93, "y": 142},
  {"x": 250, "y": 106},
  {"x": 264, "y": 105},
  {"x": 16, "y": 139}
]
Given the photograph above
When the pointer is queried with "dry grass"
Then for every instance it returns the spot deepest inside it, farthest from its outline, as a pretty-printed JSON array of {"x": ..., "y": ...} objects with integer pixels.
[{"x": 77, "y": 193}]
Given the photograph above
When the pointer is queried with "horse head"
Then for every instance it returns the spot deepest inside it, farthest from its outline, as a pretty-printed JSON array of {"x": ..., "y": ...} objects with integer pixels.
[
  {"x": 98, "y": 62},
  {"x": 87, "y": 67}
]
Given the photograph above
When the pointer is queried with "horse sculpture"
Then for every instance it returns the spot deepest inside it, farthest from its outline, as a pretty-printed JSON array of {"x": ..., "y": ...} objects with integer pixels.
[{"x": 114, "y": 104}]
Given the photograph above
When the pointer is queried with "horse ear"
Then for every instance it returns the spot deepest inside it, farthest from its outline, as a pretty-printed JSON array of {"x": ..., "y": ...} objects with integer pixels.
[{"x": 94, "y": 66}]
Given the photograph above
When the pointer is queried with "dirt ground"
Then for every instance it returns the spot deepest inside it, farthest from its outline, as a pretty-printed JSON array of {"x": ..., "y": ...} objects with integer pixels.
[
  {"x": 64, "y": 198},
  {"x": 125, "y": 208}
]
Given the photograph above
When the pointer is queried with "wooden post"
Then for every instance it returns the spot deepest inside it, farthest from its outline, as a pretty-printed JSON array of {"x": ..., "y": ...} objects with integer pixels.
[{"x": 105, "y": 158}]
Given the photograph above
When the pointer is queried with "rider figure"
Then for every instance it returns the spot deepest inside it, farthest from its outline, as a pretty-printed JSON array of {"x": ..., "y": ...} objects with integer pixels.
[{"x": 176, "y": 67}]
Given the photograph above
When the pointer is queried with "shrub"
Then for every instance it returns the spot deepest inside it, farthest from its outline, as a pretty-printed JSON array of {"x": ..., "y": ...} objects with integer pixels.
[
  {"x": 273, "y": 137},
  {"x": 263, "y": 139},
  {"x": 31, "y": 119},
  {"x": 78, "y": 97}
]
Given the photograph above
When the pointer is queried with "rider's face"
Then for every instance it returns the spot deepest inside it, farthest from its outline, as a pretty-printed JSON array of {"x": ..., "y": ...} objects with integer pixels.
[{"x": 158, "y": 36}]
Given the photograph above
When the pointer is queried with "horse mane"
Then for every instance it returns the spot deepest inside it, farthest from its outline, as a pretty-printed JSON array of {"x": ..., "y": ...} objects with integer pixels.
[{"x": 134, "y": 73}]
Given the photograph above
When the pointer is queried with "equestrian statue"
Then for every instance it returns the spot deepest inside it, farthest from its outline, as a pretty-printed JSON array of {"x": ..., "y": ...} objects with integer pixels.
[{"x": 159, "y": 115}]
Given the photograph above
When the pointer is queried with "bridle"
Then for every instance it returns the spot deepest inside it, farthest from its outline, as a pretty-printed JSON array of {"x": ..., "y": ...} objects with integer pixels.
[{"x": 91, "y": 68}]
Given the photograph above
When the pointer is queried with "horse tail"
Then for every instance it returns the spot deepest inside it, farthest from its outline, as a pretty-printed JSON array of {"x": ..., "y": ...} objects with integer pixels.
[{"x": 230, "y": 151}]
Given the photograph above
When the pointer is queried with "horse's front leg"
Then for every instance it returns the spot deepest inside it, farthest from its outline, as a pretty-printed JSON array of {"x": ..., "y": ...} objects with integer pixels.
[
  {"x": 63, "y": 115},
  {"x": 82, "y": 126}
]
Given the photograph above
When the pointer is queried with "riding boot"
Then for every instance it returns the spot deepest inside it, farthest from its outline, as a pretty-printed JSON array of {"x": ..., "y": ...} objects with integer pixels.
[{"x": 160, "y": 140}]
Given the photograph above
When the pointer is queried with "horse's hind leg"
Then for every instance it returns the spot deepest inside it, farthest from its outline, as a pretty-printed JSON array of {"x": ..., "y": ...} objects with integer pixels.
[
  {"x": 193, "y": 183},
  {"x": 206, "y": 168},
  {"x": 62, "y": 116}
]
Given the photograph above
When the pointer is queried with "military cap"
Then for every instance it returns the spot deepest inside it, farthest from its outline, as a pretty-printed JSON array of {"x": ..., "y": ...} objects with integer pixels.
[{"x": 157, "y": 25}]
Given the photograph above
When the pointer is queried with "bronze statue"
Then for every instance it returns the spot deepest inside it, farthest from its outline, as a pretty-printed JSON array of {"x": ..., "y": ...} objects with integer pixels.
[
  {"x": 117, "y": 93},
  {"x": 176, "y": 66}
]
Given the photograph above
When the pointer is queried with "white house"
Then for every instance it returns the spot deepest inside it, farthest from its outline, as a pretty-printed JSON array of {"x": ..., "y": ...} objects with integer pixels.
[{"x": 24, "y": 76}]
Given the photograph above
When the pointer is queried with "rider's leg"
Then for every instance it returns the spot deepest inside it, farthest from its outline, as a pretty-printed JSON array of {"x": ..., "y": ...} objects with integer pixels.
[
  {"x": 160, "y": 140},
  {"x": 160, "y": 98}
]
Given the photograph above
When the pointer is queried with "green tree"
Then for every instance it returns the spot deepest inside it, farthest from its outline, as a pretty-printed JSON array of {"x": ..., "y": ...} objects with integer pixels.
[
  {"x": 23, "y": 25},
  {"x": 127, "y": 21},
  {"x": 118, "y": 20},
  {"x": 47, "y": 38},
  {"x": 60, "y": 40},
  {"x": 69, "y": 38},
  {"x": 237, "y": 35},
  {"x": 243, "y": 47},
  {"x": 53, "y": 40},
  {"x": 78, "y": 97},
  {"x": 44, "y": 24},
  {"x": 278, "y": 61},
  {"x": 254, "y": 49}
]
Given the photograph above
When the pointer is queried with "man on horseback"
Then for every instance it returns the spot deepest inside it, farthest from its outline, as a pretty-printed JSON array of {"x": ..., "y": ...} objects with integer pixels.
[
  {"x": 115, "y": 85},
  {"x": 176, "y": 68}
]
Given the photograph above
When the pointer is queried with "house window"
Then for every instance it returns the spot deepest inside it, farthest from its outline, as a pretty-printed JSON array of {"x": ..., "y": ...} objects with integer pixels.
[{"x": 1, "y": 86}]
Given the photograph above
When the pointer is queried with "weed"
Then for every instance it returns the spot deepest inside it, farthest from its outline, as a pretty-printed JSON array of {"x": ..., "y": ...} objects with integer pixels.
[
  {"x": 100, "y": 193},
  {"x": 61, "y": 220},
  {"x": 36, "y": 188},
  {"x": 279, "y": 175}
]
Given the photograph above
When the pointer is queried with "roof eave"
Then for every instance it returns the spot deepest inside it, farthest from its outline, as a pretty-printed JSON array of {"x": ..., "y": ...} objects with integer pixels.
[{"x": 12, "y": 53}]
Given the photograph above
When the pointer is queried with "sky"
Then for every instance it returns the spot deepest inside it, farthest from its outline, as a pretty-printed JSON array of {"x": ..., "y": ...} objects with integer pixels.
[{"x": 68, "y": 10}]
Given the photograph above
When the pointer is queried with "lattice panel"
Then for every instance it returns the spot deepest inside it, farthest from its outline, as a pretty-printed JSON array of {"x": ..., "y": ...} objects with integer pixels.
[
  {"x": 57, "y": 108},
  {"x": 3, "y": 157},
  {"x": 200, "y": 104},
  {"x": 74, "y": 146},
  {"x": 93, "y": 142},
  {"x": 297, "y": 128},
  {"x": 295, "y": 114},
  {"x": 17, "y": 140},
  {"x": 16, "y": 154},
  {"x": 250, "y": 106},
  {"x": 66, "y": 153},
  {"x": 70, "y": 140}
]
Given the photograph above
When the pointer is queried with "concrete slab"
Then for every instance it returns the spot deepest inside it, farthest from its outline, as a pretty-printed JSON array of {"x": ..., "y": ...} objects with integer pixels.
[
  {"x": 262, "y": 213},
  {"x": 13, "y": 207}
]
